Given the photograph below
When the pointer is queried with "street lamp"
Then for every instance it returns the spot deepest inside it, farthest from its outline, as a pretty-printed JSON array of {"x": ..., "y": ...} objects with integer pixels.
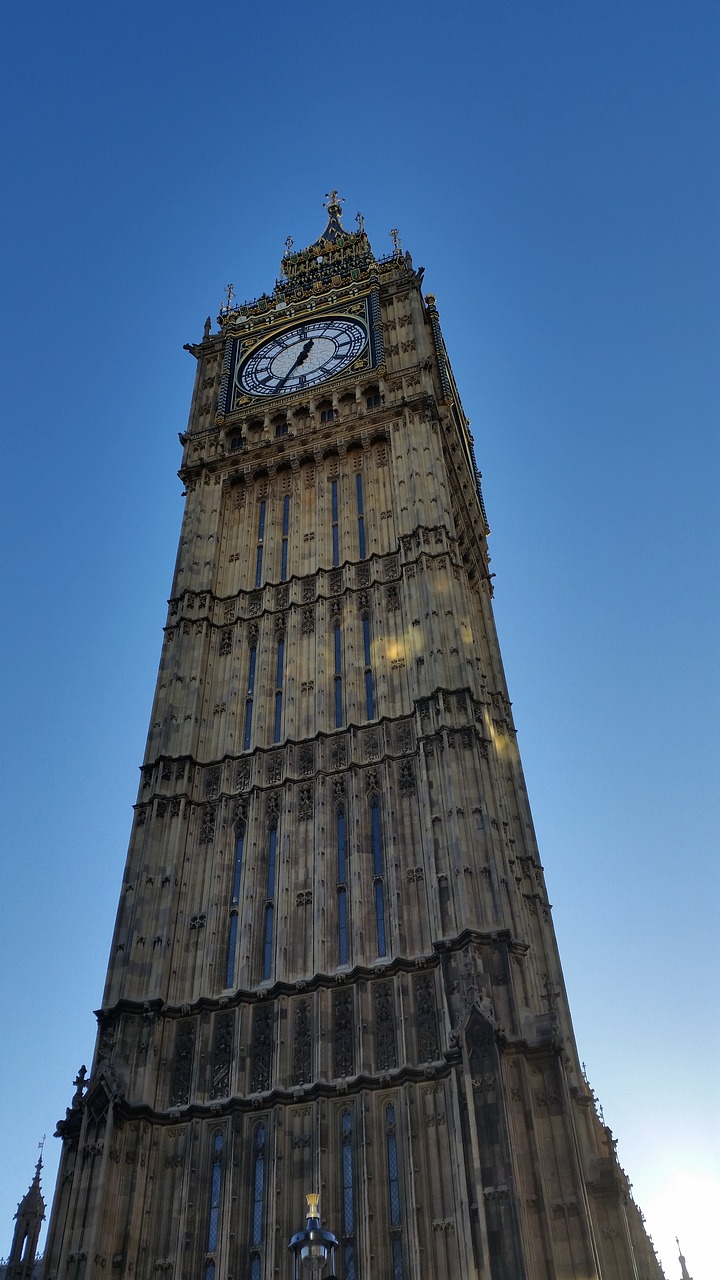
[{"x": 312, "y": 1247}]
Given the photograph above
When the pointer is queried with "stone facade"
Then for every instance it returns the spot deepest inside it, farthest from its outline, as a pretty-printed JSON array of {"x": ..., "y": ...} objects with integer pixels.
[{"x": 334, "y": 966}]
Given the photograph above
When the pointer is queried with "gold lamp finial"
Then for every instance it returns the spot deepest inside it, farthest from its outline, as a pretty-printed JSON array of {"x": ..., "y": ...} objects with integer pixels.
[{"x": 313, "y": 1205}]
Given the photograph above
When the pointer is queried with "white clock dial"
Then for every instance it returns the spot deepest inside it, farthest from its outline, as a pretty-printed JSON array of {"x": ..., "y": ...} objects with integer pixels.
[{"x": 302, "y": 357}]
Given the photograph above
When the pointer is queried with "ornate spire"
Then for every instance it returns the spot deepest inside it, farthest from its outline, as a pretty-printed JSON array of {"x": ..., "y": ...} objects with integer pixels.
[
  {"x": 683, "y": 1264},
  {"x": 32, "y": 1202},
  {"x": 28, "y": 1221},
  {"x": 334, "y": 229}
]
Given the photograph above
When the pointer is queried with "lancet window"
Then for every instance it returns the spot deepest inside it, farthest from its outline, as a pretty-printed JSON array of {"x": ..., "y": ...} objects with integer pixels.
[
  {"x": 258, "y": 1206},
  {"x": 376, "y": 844},
  {"x": 285, "y": 537},
  {"x": 360, "y": 515},
  {"x": 367, "y": 655},
  {"x": 234, "y": 906},
  {"x": 394, "y": 1194},
  {"x": 341, "y": 837},
  {"x": 279, "y": 675},
  {"x": 270, "y": 900},
  {"x": 250, "y": 694},
  {"x": 260, "y": 543},
  {"x": 337, "y": 651},
  {"x": 214, "y": 1213},
  {"x": 334, "y": 512},
  {"x": 348, "y": 1198}
]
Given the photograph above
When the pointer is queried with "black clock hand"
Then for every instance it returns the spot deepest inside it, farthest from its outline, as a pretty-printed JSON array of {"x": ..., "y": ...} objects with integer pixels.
[{"x": 300, "y": 360}]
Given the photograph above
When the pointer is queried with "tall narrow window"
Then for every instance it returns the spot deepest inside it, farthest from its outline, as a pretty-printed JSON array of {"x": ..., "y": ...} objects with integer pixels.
[
  {"x": 214, "y": 1215},
  {"x": 249, "y": 698},
  {"x": 279, "y": 687},
  {"x": 337, "y": 644},
  {"x": 348, "y": 1203},
  {"x": 394, "y": 1190},
  {"x": 342, "y": 887},
  {"x": 378, "y": 874},
  {"x": 285, "y": 537},
  {"x": 360, "y": 515},
  {"x": 270, "y": 904},
  {"x": 234, "y": 909},
  {"x": 258, "y": 1210},
  {"x": 260, "y": 541},
  {"x": 369, "y": 686},
  {"x": 335, "y": 525}
]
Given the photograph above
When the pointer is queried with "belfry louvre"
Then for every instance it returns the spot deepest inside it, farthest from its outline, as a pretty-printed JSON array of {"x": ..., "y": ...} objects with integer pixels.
[{"x": 334, "y": 968}]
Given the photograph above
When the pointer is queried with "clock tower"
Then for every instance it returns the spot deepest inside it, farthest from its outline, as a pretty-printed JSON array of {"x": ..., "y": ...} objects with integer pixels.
[{"x": 334, "y": 968}]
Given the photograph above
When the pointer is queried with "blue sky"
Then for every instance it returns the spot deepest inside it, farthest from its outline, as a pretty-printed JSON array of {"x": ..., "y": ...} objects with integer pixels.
[{"x": 554, "y": 167}]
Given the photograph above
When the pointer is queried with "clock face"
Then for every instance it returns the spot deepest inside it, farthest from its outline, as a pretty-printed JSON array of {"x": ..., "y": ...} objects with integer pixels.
[{"x": 303, "y": 356}]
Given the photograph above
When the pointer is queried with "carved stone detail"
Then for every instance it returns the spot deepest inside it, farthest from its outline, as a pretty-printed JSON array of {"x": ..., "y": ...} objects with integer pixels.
[
  {"x": 182, "y": 1064},
  {"x": 275, "y": 767},
  {"x": 306, "y": 806},
  {"x": 343, "y": 1034},
  {"x": 302, "y": 1044},
  {"x": 428, "y": 1046},
  {"x": 262, "y": 1048},
  {"x": 222, "y": 1056},
  {"x": 407, "y": 778},
  {"x": 207, "y": 824},
  {"x": 384, "y": 1018}
]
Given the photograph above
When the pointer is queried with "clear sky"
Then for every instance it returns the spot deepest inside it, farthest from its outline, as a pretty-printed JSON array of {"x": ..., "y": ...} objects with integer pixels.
[{"x": 554, "y": 166}]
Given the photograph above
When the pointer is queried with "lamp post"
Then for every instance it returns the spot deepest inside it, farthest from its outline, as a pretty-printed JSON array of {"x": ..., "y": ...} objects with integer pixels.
[{"x": 312, "y": 1247}]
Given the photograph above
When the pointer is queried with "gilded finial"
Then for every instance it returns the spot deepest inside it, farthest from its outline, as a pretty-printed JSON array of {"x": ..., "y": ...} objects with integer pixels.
[
  {"x": 229, "y": 298},
  {"x": 360, "y": 221},
  {"x": 333, "y": 201},
  {"x": 396, "y": 241},
  {"x": 288, "y": 246},
  {"x": 313, "y": 1205}
]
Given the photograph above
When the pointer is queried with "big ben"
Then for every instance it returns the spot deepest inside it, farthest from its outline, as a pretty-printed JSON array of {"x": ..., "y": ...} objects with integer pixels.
[{"x": 334, "y": 968}]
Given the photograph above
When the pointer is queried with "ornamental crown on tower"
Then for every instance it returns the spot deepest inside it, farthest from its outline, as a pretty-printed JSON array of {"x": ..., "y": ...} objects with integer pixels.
[
  {"x": 335, "y": 250},
  {"x": 338, "y": 259}
]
